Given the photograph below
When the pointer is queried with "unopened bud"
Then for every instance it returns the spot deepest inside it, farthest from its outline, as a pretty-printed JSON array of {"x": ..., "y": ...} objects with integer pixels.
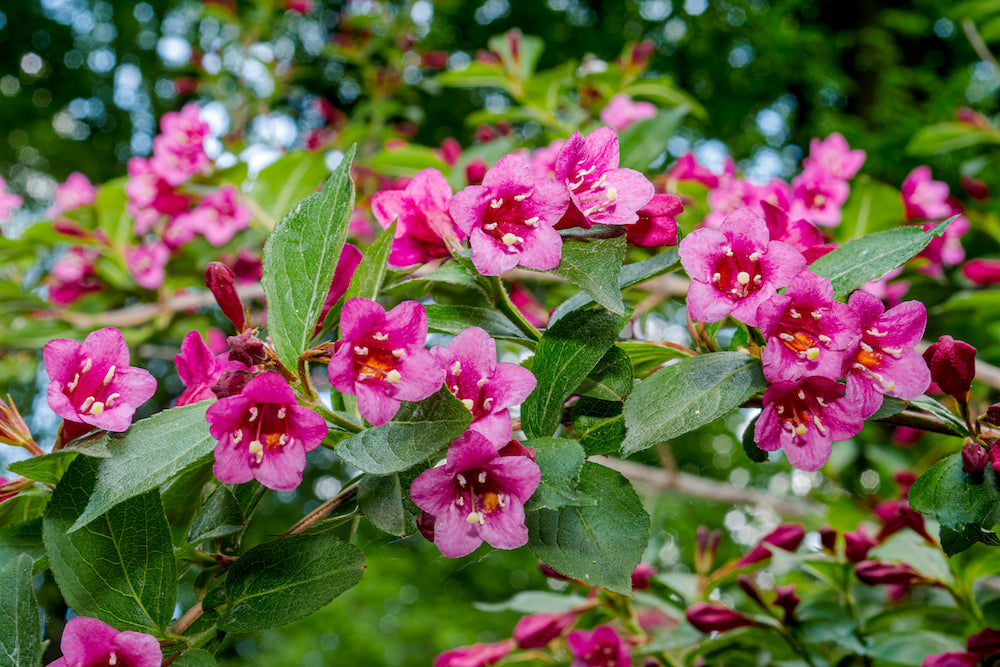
[
  {"x": 967, "y": 116},
  {"x": 246, "y": 348},
  {"x": 986, "y": 643},
  {"x": 788, "y": 601},
  {"x": 657, "y": 223},
  {"x": 537, "y": 630},
  {"x": 953, "y": 365},
  {"x": 787, "y": 536},
  {"x": 641, "y": 576},
  {"x": 857, "y": 545},
  {"x": 828, "y": 538},
  {"x": 230, "y": 383},
  {"x": 425, "y": 524},
  {"x": 748, "y": 586},
  {"x": 639, "y": 54},
  {"x": 982, "y": 271},
  {"x": 220, "y": 279},
  {"x": 708, "y": 617},
  {"x": 475, "y": 171},
  {"x": 877, "y": 573},
  {"x": 993, "y": 415},
  {"x": 974, "y": 457},
  {"x": 976, "y": 188}
]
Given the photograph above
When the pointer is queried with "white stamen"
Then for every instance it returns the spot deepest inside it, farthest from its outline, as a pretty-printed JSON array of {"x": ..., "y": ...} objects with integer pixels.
[
  {"x": 482, "y": 476},
  {"x": 475, "y": 517},
  {"x": 729, "y": 253},
  {"x": 781, "y": 409},
  {"x": 398, "y": 352},
  {"x": 794, "y": 313},
  {"x": 488, "y": 402},
  {"x": 510, "y": 239},
  {"x": 754, "y": 256},
  {"x": 257, "y": 450},
  {"x": 113, "y": 658},
  {"x": 378, "y": 335},
  {"x": 461, "y": 480},
  {"x": 819, "y": 424},
  {"x": 360, "y": 351},
  {"x": 237, "y": 437},
  {"x": 283, "y": 440},
  {"x": 500, "y": 500},
  {"x": 522, "y": 196},
  {"x": 365, "y": 374},
  {"x": 496, "y": 203},
  {"x": 812, "y": 354},
  {"x": 110, "y": 399},
  {"x": 575, "y": 185},
  {"x": 894, "y": 351},
  {"x": 282, "y": 411},
  {"x": 393, "y": 377},
  {"x": 611, "y": 194},
  {"x": 875, "y": 332},
  {"x": 460, "y": 501},
  {"x": 823, "y": 338},
  {"x": 97, "y": 408},
  {"x": 110, "y": 375},
  {"x": 72, "y": 385},
  {"x": 253, "y": 412},
  {"x": 87, "y": 403},
  {"x": 86, "y": 365},
  {"x": 786, "y": 336},
  {"x": 456, "y": 368},
  {"x": 743, "y": 277},
  {"x": 801, "y": 429},
  {"x": 866, "y": 347},
  {"x": 890, "y": 385},
  {"x": 468, "y": 403},
  {"x": 583, "y": 172},
  {"x": 532, "y": 221},
  {"x": 822, "y": 403},
  {"x": 758, "y": 279},
  {"x": 489, "y": 226},
  {"x": 802, "y": 395},
  {"x": 816, "y": 314},
  {"x": 480, "y": 382}
]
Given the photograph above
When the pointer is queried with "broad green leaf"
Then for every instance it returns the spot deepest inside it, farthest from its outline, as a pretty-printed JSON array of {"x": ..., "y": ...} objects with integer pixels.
[
  {"x": 47, "y": 468},
  {"x": 456, "y": 319},
  {"x": 890, "y": 406},
  {"x": 477, "y": 74},
  {"x": 664, "y": 91},
  {"x": 932, "y": 406},
  {"x": 600, "y": 545},
  {"x": 956, "y": 499},
  {"x": 20, "y": 626},
  {"x": 568, "y": 351},
  {"x": 384, "y": 500},
  {"x": 112, "y": 218},
  {"x": 407, "y": 161},
  {"x": 197, "y": 658},
  {"x": 220, "y": 515},
  {"x": 750, "y": 447},
  {"x": 282, "y": 581},
  {"x": 290, "y": 179},
  {"x": 183, "y": 494},
  {"x": 25, "y": 538},
  {"x": 872, "y": 207},
  {"x": 535, "y": 602},
  {"x": 598, "y": 424},
  {"x": 299, "y": 258},
  {"x": 148, "y": 454},
  {"x": 907, "y": 547},
  {"x": 417, "y": 431},
  {"x": 646, "y": 357},
  {"x": 26, "y": 506},
  {"x": 611, "y": 378},
  {"x": 120, "y": 567},
  {"x": 449, "y": 273},
  {"x": 520, "y": 61},
  {"x": 869, "y": 258},
  {"x": 368, "y": 278},
  {"x": 687, "y": 395},
  {"x": 947, "y": 137},
  {"x": 971, "y": 300},
  {"x": 911, "y": 648},
  {"x": 593, "y": 265},
  {"x": 643, "y": 141},
  {"x": 560, "y": 461}
]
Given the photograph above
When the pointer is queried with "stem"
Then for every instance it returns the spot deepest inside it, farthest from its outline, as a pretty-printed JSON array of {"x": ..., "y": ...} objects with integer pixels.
[
  {"x": 307, "y": 387},
  {"x": 508, "y": 308},
  {"x": 341, "y": 422},
  {"x": 189, "y": 617},
  {"x": 320, "y": 512}
]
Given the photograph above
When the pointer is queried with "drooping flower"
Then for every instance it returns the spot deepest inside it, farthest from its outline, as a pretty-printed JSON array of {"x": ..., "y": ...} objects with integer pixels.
[
  {"x": 487, "y": 388},
  {"x": 91, "y": 382},
  {"x": 622, "y": 111},
  {"x": 509, "y": 218},
  {"x": 199, "y": 369},
  {"x": 537, "y": 630},
  {"x": 600, "y": 647},
  {"x": 803, "y": 418},
  {"x": 807, "y": 332},
  {"x": 477, "y": 495},
  {"x": 787, "y": 536},
  {"x": 75, "y": 192},
  {"x": 477, "y": 655},
  {"x": 88, "y": 642},
  {"x": 74, "y": 276},
  {"x": 923, "y": 197},
  {"x": 263, "y": 434},
  {"x": 8, "y": 201},
  {"x": 835, "y": 156},
  {"x": 600, "y": 191},
  {"x": 657, "y": 223},
  {"x": 714, "y": 617},
  {"x": 736, "y": 268},
  {"x": 423, "y": 223},
  {"x": 819, "y": 197},
  {"x": 885, "y": 361},
  {"x": 381, "y": 358},
  {"x": 147, "y": 264}
]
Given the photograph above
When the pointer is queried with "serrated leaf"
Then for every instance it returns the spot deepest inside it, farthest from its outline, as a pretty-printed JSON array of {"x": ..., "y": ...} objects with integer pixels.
[
  {"x": 611, "y": 378},
  {"x": 368, "y": 277},
  {"x": 382, "y": 498},
  {"x": 598, "y": 424},
  {"x": 687, "y": 395},
  {"x": 954, "y": 498},
  {"x": 869, "y": 258},
  {"x": 560, "y": 461},
  {"x": 282, "y": 581},
  {"x": 594, "y": 265},
  {"x": 417, "y": 431},
  {"x": 300, "y": 256},
  {"x": 568, "y": 351},
  {"x": 47, "y": 468},
  {"x": 220, "y": 515},
  {"x": 600, "y": 545},
  {"x": 931, "y": 406},
  {"x": 120, "y": 567},
  {"x": 148, "y": 454},
  {"x": 644, "y": 140},
  {"x": 456, "y": 319},
  {"x": 20, "y": 626},
  {"x": 288, "y": 180}
]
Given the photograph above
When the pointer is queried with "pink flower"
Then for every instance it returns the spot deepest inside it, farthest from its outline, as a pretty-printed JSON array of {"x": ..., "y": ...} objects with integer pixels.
[
  {"x": 944, "y": 250},
  {"x": 477, "y": 495},
  {"x": 263, "y": 434},
  {"x": 885, "y": 361},
  {"x": 657, "y": 223},
  {"x": 835, "y": 156},
  {"x": 477, "y": 655},
  {"x": 487, "y": 388},
  {"x": 951, "y": 660},
  {"x": 537, "y": 630},
  {"x": 8, "y": 201},
  {"x": 736, "y": 268},
  {"x": 729, "y": 196},
  {"x": 857, "y": 545},
  {"x": 544, "y": 159},
  {"x": 600, "y": 192},
  {"x": 687, "y": 168},
  {"x": 77, "y": 191},
  {"x": 819, "y": 197},
  {"x": 600, "y": 647},
  {"x": 199, "y": 369},
  {"x": 147, "y": 264},
  {"x": 178, "y": 152},
  {"x": 92, "y": 382},
  {"x": 300, "y": 7},
  {"x": 807, "y": 332},
  {"x": 641, "y": 576},
  {"x": 149, "y": 196},
  {"x": 923, "y": 198},
  {"x": 89, "y": 642},
  {"x": 787, "y": 536},
  {"x": 982, "y": 271},
  {"x": 218, "y": 216},
  {"x": 423, "y": 223},
  {"x": 800, "y": 234},
  {"x": 714, "y": 617},
  {"x": 510, "y": 218},
  {"x": 803, "y": 418},
  {"x": 381, "y": 358},
  {"x": 74, "y": 276},
  {"x": 622, "y": 111},
  {"x": 5, "y": 496}
]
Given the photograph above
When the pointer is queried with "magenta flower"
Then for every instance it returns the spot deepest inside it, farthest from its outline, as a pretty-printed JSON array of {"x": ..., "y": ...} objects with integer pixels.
[
  {"x": 91, "y": 382},
  {"x": 600, "y": 647},
  {"x": 622, "y": 111},
  {"x": 924, "y": 198},
  {"x": 800, "y": 234},
  {"x": 982, "y": 271},
  {"x": 885, "y": 361},
  {"x": 88, "y": 642},
  {"x": 600, "y": 192},
  {"x": 149, "y": 196},
  {"x": 8, "y": 201},
  {"x": 857, "y": 545},
  {"x": 147, "y": 264},
  {"x": 819, "y": 197},
  {"x": 487, "y": 388},
  {"x": 218, "y": 216},
  {"x": 199, "y": 369},
  {"x": 787, "y": 536},
  {"x": 5, "y": 496},
  {"x": 537, "y": 630},
  {"x": 736, "y": 268},
  {"x": 423, "y": 223},
  {"x": 347, "y": 264},
  {"x": 381, "y": 358},
  {"x": 543, "y": 159},
  {"x": 687, "y": 168},
  {"x": 803, "y": 418},
  {"x": 477, "y": 495},
  {"x": 263, "y": 434},
  {"x": 178, "y": 152},
  {"x": 952, "y": 659},
  {"x": 510, "y": 217},
  {"x": 657, "y": 223},
  {"x": 807, "y": 332},
  {"x": 477, "y": 655},
  {"x": 835, "y": 156},
  {"x": 74, "y": 276},
  {"x": 944, "y": 250},
  {"x": 729, "y": 196},
  {"x": 77, "y": 191}
]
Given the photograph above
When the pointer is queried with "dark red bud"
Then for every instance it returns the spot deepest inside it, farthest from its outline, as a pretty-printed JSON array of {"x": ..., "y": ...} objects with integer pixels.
[
  {"x": 976, "y": 188},
  {"x": 828, "y": 538},
  {"x": 537, "y": 630},
  {"x": 748, "y": 586},
  {"x": 639, "y": 54},
  {"x": 877, "y": 573},
  {"x": 986, "y": 643},
  {"x": 425, "y": 524},
  {"x": 788, "y": 601},
  {"x": 641, "y": 576},
  {"x": 787, "y": 536},
  {"x": 708, "y": 617},
  {"x": 246, "y": 348},
  {"x": 475, "y": 171},
  {"x": 857, "y": 545},
  {"x": 231, "y": 383},
  {"x": 434, "y": 59},
  {"x": 993, "y": 415},
  {"x": 485, "y": 134},
  {"x": 974, "y": 458},
  {"x": 995, "y": 456},
  {"x": 451, "y": 151},
  {"x": 951, "y": 660},
  {"x": 953, "y": 365},
  {"x": 221, "y": 280}
]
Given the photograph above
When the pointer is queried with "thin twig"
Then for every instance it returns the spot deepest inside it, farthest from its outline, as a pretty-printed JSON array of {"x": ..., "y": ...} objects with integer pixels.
[
  {"x": 978, "y": 45},
  {"x": 189, "y": 617},
  {"x": 320, "y": 512}
]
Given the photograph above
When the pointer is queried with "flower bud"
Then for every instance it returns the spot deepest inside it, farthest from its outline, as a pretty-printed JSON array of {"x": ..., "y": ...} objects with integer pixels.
[
  {"x": 748, "y": 586},
  {"x": 230, "y": 383},
  {"x": 641, "y": 575},
  {"x": 967, "y": 116},
  {"x": 709, "y": 617},
  {"x": 985, "y": 643},
  {"x": 657, "y": 223},
  {"x": 877, "y": 573},
  {"x": 982, "y": 271},
  {"x": 857, "y": 545},
  {"x": 537, "y": 630},
  {"x": 477, "y": 655},
  {"x": 976, "y": 188},
  {"x": 788, "y": 601},
  {"x": 220, "y": 279},
  {"x": 246, "y": 348},
  {"x": 828, "y": 538},
  {"x": 787, "y": 536},
  {"x": 475, "y": 171},
  {"x": 993, "y": 415},
  {"x": 974, "y": 457},
  {"x": 953, "y": 365},
  {"x": 951, "y": 660},
  {"x": 425, "y": 524}
]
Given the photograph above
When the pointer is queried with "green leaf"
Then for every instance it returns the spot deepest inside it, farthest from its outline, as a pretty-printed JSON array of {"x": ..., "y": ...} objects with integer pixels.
[
  {"x": 290, "y": 179},
  {"x": 646, "y": 357},
  {"x": 869, "y": 258},
  {"x": 956, "y": 499},
  {"x": 370, "y": 274},
  {"x": 417, "y": 431},
  {"x": 477, "y": 74},
  {"x": 299, "y": 258},
  {"x": 910, "y": 648},
  {"x": 25, "y": 538},
  {"x": 687, "y": 395},
  {"x": 890, "y": 406},
  {"x": 947, "y": 137},
  {"x": 593, "y": 265},
  {"x": 148, "y": 454},
  {"x": 611, "y": 378},
  {"x": 568, "y": 351},
  {"x": 26, "y": 506},
  {"x": 456, "y": 319},
  {"x": 20, "y": 626},
  {"x": 598, "y": 424},
  {"x": 560, "y": 461},
  {"x": 384, "y": 500},
  {"x": 282, "y": 581},
  {"x": 220, "y": 515},
  {"x": 932, "y": 406},
  {"x": 47, "y": 468},
  {"x": 407, "y": 161},
  {"x": 750, "y": 448},
  {"x": 872, "y": 207},
  {"x": 120, "y": 567},
  {"x": 534, "y": 602},
  {"x": 643, "y": 141},
  {"x": 601, "y": 544},
  {"x": 196, "y": 658}
]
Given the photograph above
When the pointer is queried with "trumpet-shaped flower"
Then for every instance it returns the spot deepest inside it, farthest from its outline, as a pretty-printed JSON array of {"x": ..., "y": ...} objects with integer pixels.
[
  {"x": 91, "y": 643},
  {"x": 600, "y": 647},
  {"x": 835, "y": 156}
]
